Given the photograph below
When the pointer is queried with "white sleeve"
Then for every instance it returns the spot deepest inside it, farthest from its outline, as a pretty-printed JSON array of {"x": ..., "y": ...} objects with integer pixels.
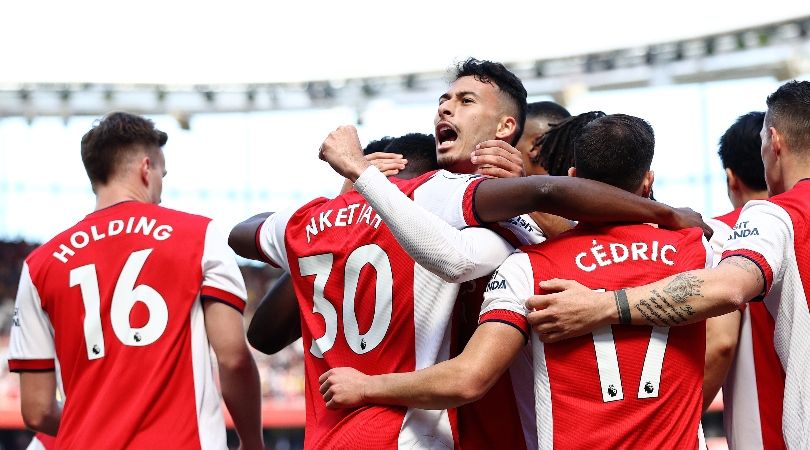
[
  {"x": 720, "y": 235},
  {"x": 31, "y": 345},
  {"x": 507, "y": 291},
  {"x": 762, "y": 234},
  {"x": 271, "y": 238},
  {"x": 453, "y": 255},
  {"x": 222, "y": 279}
]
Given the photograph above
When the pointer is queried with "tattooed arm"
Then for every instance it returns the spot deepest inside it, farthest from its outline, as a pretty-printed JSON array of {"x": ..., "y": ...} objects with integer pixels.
[{"x": 573, "y": 310}]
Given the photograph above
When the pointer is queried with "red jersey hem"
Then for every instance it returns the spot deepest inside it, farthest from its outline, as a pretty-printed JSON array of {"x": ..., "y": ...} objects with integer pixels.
[
  {"x": 507, "y": 317},
  {"x": 214, "y": 294},
  {"x": 759, "y": 260},
  {"x": 468, "y": 204},
  {"x": 31, "y": 365}
]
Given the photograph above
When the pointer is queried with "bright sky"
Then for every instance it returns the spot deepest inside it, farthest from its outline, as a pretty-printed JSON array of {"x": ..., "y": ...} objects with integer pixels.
[{"x": 181, "y": 42}]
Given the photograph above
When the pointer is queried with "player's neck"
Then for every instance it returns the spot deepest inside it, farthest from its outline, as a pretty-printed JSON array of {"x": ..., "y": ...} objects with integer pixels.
[
  {"x": 112, "y": 194},
  {"x": 747, "y": 196},
  {"x": 796, "y": 172}
]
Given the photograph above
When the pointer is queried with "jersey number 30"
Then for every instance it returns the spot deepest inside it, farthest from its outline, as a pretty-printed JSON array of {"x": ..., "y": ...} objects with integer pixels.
[
  {"x": 321, "y": 267},
  {"x": 125, "y": 295}
]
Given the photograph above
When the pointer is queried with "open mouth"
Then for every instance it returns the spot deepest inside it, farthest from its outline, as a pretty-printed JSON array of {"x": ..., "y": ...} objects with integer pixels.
[{"x": 445, "y": 134}]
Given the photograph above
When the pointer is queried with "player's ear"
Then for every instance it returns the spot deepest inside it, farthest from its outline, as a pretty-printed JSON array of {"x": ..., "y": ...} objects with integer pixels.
[
  {"x": 647, "y": 184},
  {"x": 777, "y": 141},
  {"x": 144, "y": 166},
  {"x": 572, "y": 171},
  {"x": 507, "y": 127}
]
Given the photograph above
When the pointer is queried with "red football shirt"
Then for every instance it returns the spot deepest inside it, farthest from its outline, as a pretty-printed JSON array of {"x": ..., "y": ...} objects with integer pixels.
[
  {"x": 115, "y": 301},
  {"x": 366, "y": 304},
  {"x": 748, "y": 392},
  {"x": 774, "y": 234},
  {"x": 621, "y": 386}
]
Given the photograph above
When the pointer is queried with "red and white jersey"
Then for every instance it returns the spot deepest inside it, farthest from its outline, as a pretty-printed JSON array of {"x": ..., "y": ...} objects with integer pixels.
[
  {"x": 115, "y": 302},
  {"x": 621, "y": 386},
  {"x": 774, "y": 234},
  {"x": 42, "y": 441},
  {"x": 366, "y": 304},
  {"x": 744, "y": 402}
]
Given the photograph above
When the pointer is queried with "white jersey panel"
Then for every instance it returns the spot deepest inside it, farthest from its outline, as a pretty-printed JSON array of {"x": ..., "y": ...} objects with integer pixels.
[
  {"x": 511, "y": 285},
  {"x": 742, "y": 421},
  {"x": 433, "y": 305},
  {"x": 219, "y": 267},
  {"x": 271, "y": 237},
  {"x": 766, "y": 229},
  {"x": 211, "y": 425},
  {"x": 770, "y": 233},
  {"x": 31, "y": 330},
  {"x": 721, "y": 233}
]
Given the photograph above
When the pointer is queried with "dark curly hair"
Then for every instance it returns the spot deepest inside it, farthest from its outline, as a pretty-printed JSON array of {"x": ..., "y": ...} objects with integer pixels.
[{"x": 556, "y": 153}]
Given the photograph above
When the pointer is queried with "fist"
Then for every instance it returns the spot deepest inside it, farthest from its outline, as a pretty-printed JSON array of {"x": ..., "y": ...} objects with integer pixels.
[{"x": 342, "y": 150}]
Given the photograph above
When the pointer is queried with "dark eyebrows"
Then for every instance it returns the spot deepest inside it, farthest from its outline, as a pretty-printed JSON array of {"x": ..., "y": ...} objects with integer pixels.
[{"x": 460, "y": 94}]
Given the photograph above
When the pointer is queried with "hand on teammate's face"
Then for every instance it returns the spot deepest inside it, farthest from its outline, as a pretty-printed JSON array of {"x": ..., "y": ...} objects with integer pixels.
[
  {"x": 496, "y": 158},
  {"x": 568, "y": 310},
  {"x": 343, "y": 387},
  {"x": 388, "y": 163},
  {"x": 688, "y": 218},
  {"x": 342, "y": 150}
]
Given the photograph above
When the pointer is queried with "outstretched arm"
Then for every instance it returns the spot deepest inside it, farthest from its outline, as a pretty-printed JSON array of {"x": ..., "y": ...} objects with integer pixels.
[
  {"x": 573, "y": 310},
  {"x": 576, "y": 199},
  {"x": 498, "y": 199},
  {"x": 448, "y": 384},
  {"x": 277, "y": 321}
]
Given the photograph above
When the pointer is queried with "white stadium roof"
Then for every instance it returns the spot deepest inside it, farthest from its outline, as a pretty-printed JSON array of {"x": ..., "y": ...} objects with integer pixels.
[{"x": 240, "y": 41}]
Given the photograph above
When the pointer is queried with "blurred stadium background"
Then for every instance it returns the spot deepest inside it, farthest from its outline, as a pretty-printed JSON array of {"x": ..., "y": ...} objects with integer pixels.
[{"x": 248, "y": 93}]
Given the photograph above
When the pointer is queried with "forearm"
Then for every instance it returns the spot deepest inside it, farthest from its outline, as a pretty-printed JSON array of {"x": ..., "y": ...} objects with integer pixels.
[
  {"x": 242, "y": 395},
  {"x": 445, "y": 385},
  {"x": 569, "y": 197},
  {"x": 38, "y": 405},
  {"x": 46, "y": 421},
  {"x": 242, "y": 238},
  {"x": 693, "y": 296},
  {"x": 430, "y": 241},
  {"x": 277, "y": 321},
  {"x": 722, "y": 334}
]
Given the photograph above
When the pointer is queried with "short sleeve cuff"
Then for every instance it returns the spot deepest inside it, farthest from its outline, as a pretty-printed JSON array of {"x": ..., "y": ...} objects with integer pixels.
[
  {"x": 259, "y": 248},
  {"x": 468, "y": 204},
  {"x": 507, "y": 317},
  {"x": 31, "y": 365},
  {"x": 218, "y": 295},
  {"x": 759, "y": 260}
]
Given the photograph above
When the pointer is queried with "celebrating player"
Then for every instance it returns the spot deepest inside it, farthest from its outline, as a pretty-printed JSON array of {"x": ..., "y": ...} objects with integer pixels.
[
  {"x": 126, "y": 303},
  {"x": 765, "y": 257},
  {"x": 475, "y": 108},
  {"x": 586, "y": 393}
]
